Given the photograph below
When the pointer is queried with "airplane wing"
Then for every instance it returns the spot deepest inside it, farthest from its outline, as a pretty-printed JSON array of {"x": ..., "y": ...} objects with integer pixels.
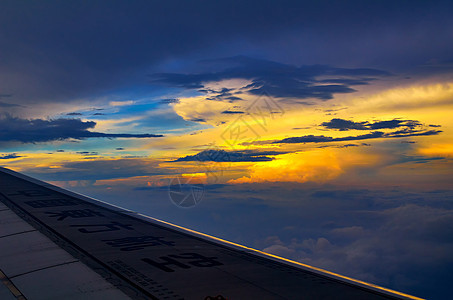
[{"x": 56, "y": 244}]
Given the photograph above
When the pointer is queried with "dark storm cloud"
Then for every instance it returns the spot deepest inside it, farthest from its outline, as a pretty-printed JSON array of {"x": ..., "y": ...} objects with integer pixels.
[
  {"x": 372, "y": 135},
  {"x": 343, "y": 125},
  {"x": 275, "y": 79},
  {"x": 9, "y": 156},
  {"x": 100, "y": 41},
  {"x": 39, "y": 130},
  {"x": 231, "y": 156}
]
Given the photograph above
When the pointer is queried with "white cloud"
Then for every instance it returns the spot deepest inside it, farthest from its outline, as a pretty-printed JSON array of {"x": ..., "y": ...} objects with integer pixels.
[{"x": 121, "y": 103}]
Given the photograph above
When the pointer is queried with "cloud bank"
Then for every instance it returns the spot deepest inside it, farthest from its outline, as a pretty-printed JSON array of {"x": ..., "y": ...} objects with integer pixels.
[
  {"x": 39, "y": 130},
  {"x": 276, "y": 79},
  {"x": 231, "y": 156}
]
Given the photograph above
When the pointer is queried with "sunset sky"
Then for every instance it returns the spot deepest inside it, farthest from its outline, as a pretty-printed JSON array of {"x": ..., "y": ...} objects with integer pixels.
[{"x": 320, "y": 131}]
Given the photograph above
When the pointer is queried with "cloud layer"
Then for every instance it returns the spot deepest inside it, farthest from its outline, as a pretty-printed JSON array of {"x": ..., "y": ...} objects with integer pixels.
[
  {"x": 39, "y": 130},
  {"x": 276, "y": 79},
  {"x": 405, "y": 128},
  {"x": 373, "y": 135},
  {"x": 231, "y": 156},
  {"x": 10, "y": 156},
  {"x": 343, "y": 125}
]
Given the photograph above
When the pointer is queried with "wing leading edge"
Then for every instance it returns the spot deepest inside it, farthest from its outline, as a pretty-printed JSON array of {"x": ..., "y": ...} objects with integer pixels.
[{"x": 147, "y": 258}]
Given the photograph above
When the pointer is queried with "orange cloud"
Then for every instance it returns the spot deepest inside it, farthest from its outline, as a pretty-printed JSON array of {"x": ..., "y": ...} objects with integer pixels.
[
  {"x": 318, "y": 166},
  {"x": 445, "y": 150},
  {"x": 407, "y": 98}
]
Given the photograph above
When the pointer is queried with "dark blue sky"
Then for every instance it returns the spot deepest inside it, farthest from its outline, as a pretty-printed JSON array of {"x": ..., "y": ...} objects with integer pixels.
[{"x": 57, "y": 50}]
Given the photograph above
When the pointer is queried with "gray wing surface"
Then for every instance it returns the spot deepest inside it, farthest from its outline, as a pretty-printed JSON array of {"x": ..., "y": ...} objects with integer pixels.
[{"x": 56, "y": 244}]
